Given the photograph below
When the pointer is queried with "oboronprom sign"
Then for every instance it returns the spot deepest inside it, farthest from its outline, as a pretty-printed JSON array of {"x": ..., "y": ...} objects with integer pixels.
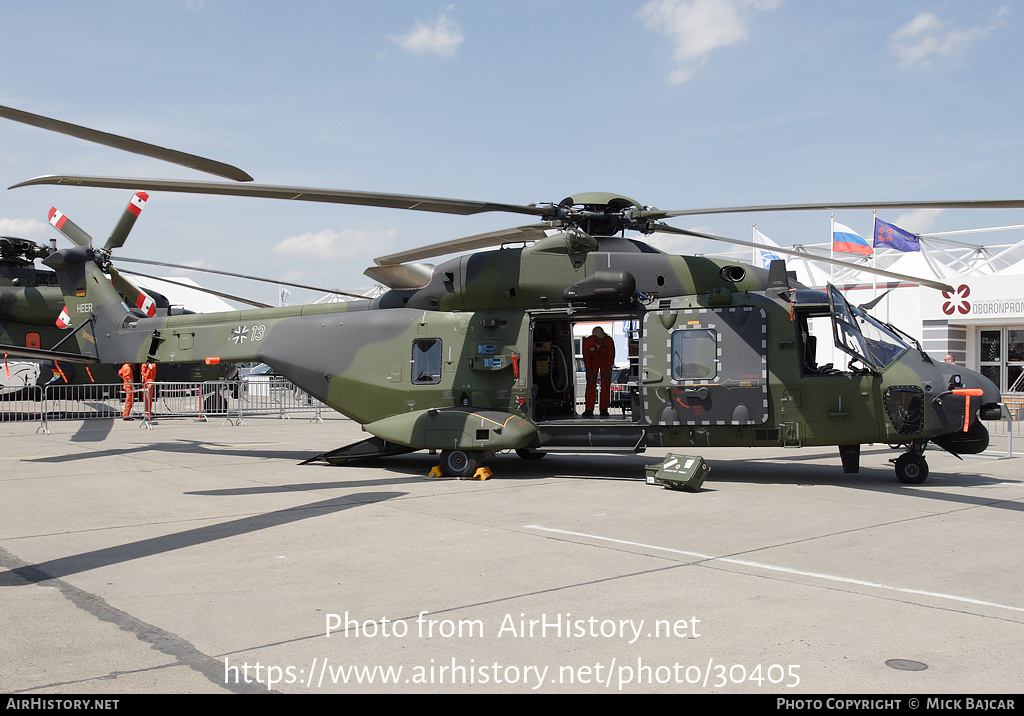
[{"x": 977, "y": 299}]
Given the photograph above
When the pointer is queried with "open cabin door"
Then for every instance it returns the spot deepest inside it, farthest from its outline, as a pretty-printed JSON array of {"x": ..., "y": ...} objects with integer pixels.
[
  {"x": 556, "y": 365},
  {"x": 705, "y": 366}
]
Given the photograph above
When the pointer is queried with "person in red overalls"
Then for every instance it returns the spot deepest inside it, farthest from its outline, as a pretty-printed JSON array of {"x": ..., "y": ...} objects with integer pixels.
[
  {"x": 598, "y": 358},
  {"x": 148, "y": 372},
  {"x": 129, "y": 390}
]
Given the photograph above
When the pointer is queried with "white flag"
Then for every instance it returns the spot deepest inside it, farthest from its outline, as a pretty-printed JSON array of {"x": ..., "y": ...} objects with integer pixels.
[
  {"x": 766, "y": 257},
  {"x": 283, "y": 296}
]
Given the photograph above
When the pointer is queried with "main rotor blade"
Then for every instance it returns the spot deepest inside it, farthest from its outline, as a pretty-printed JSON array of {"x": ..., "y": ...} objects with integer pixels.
[
  {"x": 464, "y": 207},
  {"x": 266, "y": 191},
  {"x": 835, "y": 262},
  {"x": 134, "y": 146},
  {"x": 957, "y": 204},
  {"x": 468, "y": 243},
  {"x": 239, "y": 275},
  {"x": 200, "y": 288}
]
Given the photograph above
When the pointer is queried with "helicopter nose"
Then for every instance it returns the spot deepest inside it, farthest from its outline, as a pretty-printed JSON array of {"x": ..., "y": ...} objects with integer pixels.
[
  {"x": 968, "y": 399},
  {"x": 981, "y": 393}
]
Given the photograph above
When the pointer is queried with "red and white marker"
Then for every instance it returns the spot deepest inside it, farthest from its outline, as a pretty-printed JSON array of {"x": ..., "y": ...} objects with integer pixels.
[
  {"x": 56, "y": 218},
  {"x": 138, "y": 202},
  {"x": 63, "y": 320},
  {"x": 146, "y": 304}
]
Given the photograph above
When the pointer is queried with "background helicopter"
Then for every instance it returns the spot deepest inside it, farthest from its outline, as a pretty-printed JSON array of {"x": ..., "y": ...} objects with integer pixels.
[
  {"x": 32, "y": 310},
  {"x": 469, "y": 357}
]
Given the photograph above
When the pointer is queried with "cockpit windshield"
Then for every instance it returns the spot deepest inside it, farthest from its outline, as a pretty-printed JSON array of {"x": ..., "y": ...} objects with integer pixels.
[
  {"x": 863, "y": 337},
  {"x": 884, "y": 346}
]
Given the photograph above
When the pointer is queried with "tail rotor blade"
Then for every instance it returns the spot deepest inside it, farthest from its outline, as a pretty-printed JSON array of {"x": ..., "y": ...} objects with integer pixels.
[
  {"x": 70, "y": 229},
  {"x": 127, "y": 221},
  {"x": 135, "y": 295}
]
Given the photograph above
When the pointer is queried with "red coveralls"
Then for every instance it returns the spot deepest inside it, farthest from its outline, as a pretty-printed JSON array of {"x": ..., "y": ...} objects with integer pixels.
[
  {"x": 129, "y": 389},
  {"x": 148, "y": 371},
  {"x": 598, "y": 357}
]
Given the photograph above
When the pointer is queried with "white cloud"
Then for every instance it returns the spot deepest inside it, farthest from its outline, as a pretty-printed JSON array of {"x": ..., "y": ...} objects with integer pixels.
[
  {"x": 24, "y": 229},
  {"x": 920, "y": 221},
  {"x": 336, "y": 246},
  {"x": 697, "y": 27},
  {"x": 927, "y": 36},
  {"x": 443, "y": 37}
]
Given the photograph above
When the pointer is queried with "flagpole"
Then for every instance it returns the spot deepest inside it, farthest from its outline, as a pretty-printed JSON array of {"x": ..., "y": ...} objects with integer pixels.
[
  {"x": 832, "y": 249},
  {"x": 874, "y": 256}
]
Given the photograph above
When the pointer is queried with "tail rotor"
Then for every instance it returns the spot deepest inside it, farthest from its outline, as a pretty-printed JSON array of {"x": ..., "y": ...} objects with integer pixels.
[{"x": 76, "y": 235}]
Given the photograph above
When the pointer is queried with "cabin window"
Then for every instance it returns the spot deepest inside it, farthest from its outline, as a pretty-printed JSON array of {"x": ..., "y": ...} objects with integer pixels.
[
  {"x": 695, "y": 354},
  {"x": 426, "y": 361}
]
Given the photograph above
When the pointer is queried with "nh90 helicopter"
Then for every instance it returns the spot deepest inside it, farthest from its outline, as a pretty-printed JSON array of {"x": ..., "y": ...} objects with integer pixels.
[{"x": 472, "y": 356}]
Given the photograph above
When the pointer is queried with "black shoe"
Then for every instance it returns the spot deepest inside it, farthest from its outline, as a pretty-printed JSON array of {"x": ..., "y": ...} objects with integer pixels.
[
  {"x": 604, "y": 414},
  {"x": 588, "y": 413},
  {"x": 127, "y": 418}
]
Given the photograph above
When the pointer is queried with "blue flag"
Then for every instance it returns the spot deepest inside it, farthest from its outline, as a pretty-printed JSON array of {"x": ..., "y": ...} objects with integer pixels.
[{"x": 893, "y": 237}]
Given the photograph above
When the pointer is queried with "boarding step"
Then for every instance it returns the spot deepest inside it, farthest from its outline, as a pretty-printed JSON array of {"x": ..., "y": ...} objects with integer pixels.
[{"x": 592, "y": 436}]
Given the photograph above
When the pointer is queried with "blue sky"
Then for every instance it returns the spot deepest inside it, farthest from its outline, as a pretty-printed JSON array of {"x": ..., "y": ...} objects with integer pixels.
[{"x": 676, "y": 103}]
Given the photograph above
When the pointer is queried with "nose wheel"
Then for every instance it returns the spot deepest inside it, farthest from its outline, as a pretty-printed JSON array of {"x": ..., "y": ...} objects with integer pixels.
[{"x": 911, "y": 468}]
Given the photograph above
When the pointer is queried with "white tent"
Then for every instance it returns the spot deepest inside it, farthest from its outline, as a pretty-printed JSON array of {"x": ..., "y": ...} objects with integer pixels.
[{"x": 193, "y": 300}]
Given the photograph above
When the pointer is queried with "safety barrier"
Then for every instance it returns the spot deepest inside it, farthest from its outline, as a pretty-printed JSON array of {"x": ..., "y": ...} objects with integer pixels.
[
  {"x": 230, "y": 400},
  {"x": 1007, "y": 428},
  {"x": 1013, "y": 403},
  {"x": 21, "y": 405},
  {"x": 269, "y": 395}
]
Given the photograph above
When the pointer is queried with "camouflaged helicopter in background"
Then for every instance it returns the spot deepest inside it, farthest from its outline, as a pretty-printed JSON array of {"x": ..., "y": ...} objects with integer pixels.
[
  {"x": 474, "y": 355},
  {"x": 32, "y": 307}
]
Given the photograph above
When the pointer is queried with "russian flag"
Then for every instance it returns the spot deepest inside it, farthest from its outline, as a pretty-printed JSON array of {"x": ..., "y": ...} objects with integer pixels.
[{"x": 849, "y": 241}]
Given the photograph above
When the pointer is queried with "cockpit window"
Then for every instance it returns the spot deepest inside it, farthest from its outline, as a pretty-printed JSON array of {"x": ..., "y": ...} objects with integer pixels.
[
  {"x": 884, "y": 346},
  {"x": 862, "y": 336}
]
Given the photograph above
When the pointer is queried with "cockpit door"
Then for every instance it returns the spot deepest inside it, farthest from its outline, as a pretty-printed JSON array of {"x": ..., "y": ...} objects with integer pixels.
[{"x": 848, "y": 337}]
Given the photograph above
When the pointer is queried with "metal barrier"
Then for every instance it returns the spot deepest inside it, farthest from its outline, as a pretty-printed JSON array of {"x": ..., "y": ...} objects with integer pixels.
[
  {"x": 230, "y": 400},
  {"x": 1009, "y": 426},
  {"x": 20, "y": 405},
  {"x": 267, "y": 395},
  {"x": 1014, "y": 402}
]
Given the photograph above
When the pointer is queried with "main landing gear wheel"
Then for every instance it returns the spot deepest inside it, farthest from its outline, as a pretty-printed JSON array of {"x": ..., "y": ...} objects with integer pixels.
[
  {"x": 459, "y": 463},
  {"x": 911, "y": 468}
]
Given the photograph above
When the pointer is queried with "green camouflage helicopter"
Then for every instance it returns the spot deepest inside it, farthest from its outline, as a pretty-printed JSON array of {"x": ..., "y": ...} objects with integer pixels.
[
  {"x": 33, "y": 317},
  {"x": 474, "y": 356}
]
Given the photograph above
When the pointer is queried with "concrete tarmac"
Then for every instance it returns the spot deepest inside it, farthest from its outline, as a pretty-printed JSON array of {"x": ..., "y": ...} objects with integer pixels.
[{"x": 202, "y": 558}]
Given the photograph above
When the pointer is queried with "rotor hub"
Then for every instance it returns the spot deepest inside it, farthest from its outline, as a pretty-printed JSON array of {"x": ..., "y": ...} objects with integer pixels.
[{"x": 599, "y": 213}]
